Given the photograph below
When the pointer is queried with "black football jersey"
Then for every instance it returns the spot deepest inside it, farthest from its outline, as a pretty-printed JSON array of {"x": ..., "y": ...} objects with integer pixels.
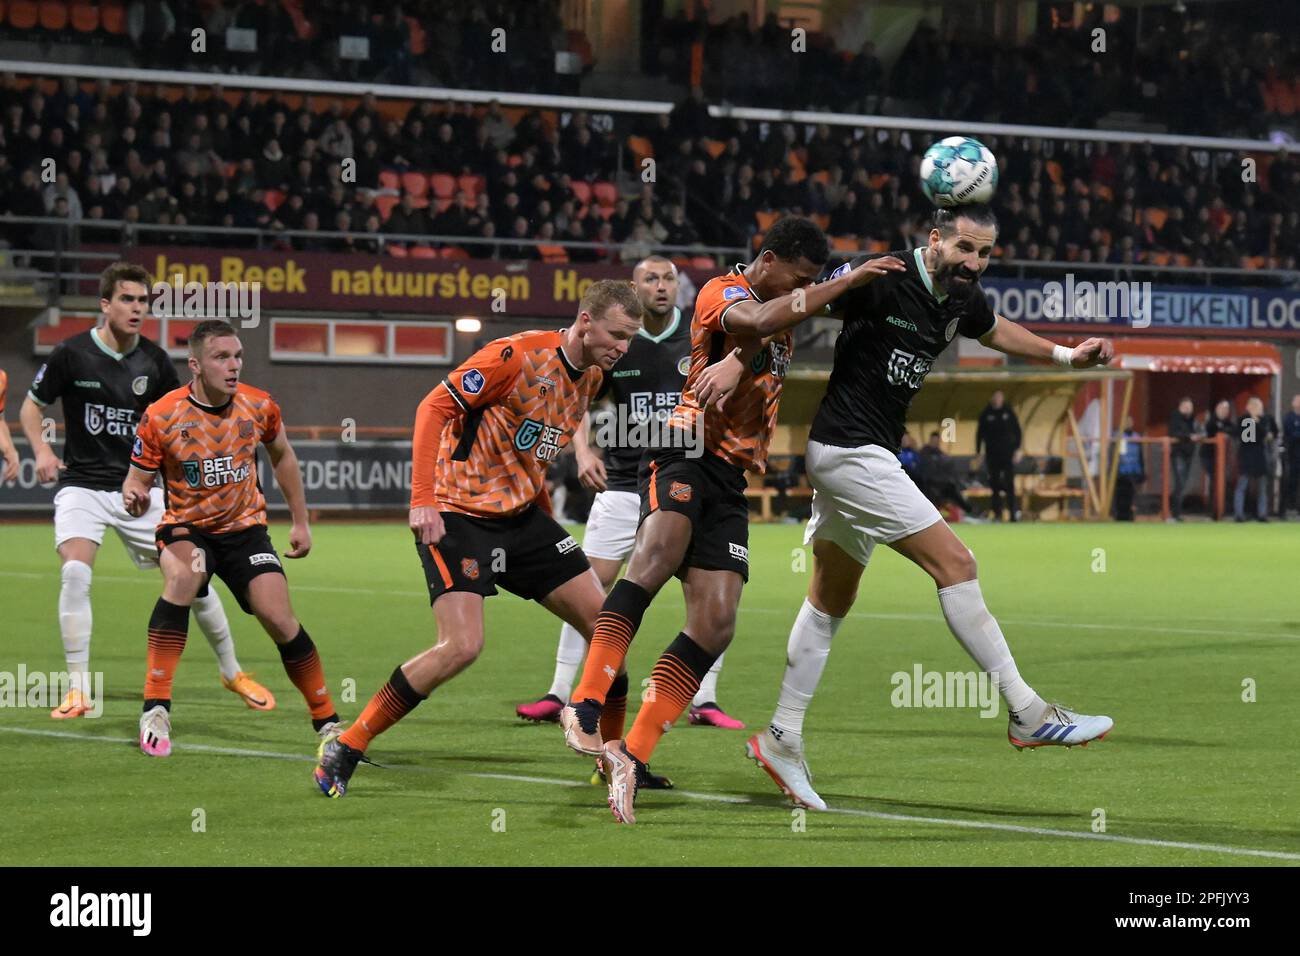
[
  {"x": 894, "y": 328},
  {"x": 103, "y": 393},
  {"x": 645, "y": 384}
]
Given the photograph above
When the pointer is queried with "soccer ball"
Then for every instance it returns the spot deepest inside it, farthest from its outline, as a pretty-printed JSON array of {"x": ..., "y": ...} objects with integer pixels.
[{"x": 958, "y": 170}]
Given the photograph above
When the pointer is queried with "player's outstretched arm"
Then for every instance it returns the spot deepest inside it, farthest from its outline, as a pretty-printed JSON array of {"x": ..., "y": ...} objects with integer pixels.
[
  {"x": 48, "y": 464},
  {"x": 762, "y": 319},
  {"x": 1006, "y": 336},
  {"x": 284, "y": 462},
  {"x": 135, "y": 491}
]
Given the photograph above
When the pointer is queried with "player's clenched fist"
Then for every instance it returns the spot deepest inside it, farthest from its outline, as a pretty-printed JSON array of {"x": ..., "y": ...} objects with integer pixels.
[
  {"x": 426, "y": 523},
  {"x": 1091, "y": 352},
  {"x": 299, "y": 541},
  {"x": 135, "y": 501}
]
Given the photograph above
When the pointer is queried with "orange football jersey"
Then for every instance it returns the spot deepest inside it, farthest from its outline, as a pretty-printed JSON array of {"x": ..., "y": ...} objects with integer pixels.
[
  {"x": 741, "y": 434},
  {"x": 208, "y": 456},
  {"x": 505, "y": 414}
]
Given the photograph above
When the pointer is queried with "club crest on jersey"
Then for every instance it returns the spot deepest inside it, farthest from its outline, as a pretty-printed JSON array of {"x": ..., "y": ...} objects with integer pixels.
[
  {"x": 138, "y": 448},
  {"x": 472, "y": 381},
  {"x": 950, "y": 331},
  {"x": 191, "y": 472},
  {"x": 528, "y": 433},
  {"x": 684, "y": 366},
  {"x": 40, "y": 374},
  {"x": 679, "y": 491},
  {"x": 245, "y": 428},
  {"x": 735, "y": 292},
  {"x": 140, "y": 384},
  {"x": 469, "y": 568}
]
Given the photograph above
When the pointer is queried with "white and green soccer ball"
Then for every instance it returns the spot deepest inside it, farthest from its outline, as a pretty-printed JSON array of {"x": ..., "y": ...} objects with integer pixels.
[{"x": 958, "y": 170}]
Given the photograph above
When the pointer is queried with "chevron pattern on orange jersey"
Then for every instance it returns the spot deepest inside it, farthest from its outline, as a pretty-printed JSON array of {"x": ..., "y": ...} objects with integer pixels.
[
  {"x": 208, "y": 457},
  {"x": 517, "y": 438},
  {"x": 742, "y": 433}
]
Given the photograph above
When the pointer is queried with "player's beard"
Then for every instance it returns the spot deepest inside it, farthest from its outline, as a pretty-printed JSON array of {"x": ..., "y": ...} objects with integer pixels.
[{"x": 956, "y": 280}]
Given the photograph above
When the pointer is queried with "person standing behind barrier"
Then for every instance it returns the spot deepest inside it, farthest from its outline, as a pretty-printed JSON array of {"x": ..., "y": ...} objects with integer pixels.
[
  {"x": 999, "y": 433},
  {"x": 1132, "y": 471},
  {"x": 1256, "y": 431},
  {"x": 1182, "y": 429},
  {"x": 1291, "y": 441}
]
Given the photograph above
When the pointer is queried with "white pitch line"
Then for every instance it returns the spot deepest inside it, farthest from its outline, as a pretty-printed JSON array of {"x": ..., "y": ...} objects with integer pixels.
[
  {"x": 717, "y": 798},
  {"x": 1129, "y": 626}
]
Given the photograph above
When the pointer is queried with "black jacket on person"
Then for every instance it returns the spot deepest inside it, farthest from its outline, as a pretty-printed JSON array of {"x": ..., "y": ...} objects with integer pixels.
[
  {"x": 998, "y": 432},
  {"x": 1254, "y": 439},
  {"x": 1181, "y": 429}
]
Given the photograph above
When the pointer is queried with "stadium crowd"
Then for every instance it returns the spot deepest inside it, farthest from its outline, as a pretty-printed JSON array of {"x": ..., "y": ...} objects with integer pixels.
[{"x": 509, "y": 177}]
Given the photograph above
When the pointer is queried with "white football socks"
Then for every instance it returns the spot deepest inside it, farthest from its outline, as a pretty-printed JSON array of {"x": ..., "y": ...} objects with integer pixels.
[
  {"x": 75, "y": 622},
  {"x": 216, "y": 628},
  {"x": 567, "y": 658},
  {"x": 806, "y": 653},
  {"x": 976, "y": 630},
  {"x": 709, "y": 685}
]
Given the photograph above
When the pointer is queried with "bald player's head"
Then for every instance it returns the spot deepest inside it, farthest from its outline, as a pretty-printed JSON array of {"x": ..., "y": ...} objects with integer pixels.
[{"x": 655, "y": 281}]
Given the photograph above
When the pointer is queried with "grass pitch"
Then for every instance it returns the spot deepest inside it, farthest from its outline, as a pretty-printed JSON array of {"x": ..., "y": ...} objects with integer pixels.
[{"x": 1158, "y": 626}]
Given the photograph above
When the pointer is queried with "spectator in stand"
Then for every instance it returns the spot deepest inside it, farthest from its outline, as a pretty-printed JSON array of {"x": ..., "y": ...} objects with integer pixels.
[
  {"x": 1291, "y": 446},
  {"x": 1183, "y": 431},
  {"x": 1256, "y": 433},
  {"x": 1131, "y": 471},
  {"x": 998, "y": 434},
  {"x": 406, "y": 219}
]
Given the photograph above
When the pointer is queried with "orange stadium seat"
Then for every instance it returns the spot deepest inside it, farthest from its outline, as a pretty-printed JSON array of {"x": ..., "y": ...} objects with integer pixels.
[
  {"x": 273, "y": 199},
  {"x": 845, "y": 243},
  {"x": 112, "y": 16},
  {"x": 388, "y": 179},
  {"x": 444, "y": 186},
  {"x": 822, "y": 176},
  {"x": 385, "y": 205},
  {"x": 641, "y": 147},
  {"x": 604, "y": 212},
  {"x": 421, "y": 203},
  {"x": 53, "y": 15},
  {"x": 582, "y": 191},
  {"x": 423, "y": 252},
  {"x": 454, "y": 252},
  {"x": 765, "y": 218},
  {"x": 703, "y": 262},
  {"x": 605, "y": 192},
  {"x": 553, "y": 253},
  {"x": 757, "y": 241},
  {"x": 714, "y": 147},
  {"x": 472, "y": 185},
  {"x": 23, "y": 14},
  {"x": 1054, "y": 172},
  {"x": 877, "y": 245},
  {"x": 440, "y": 205},
  {"x": 396, "y": 250},
  {"x": 1161, "y": 258},
  {"x": 822, "y": 219},
  {"x": 879, "y": 180},
  {"x": 513, "y": 160},
  {"x": 1156, "y": 217},
  {"x": 417, "y": 184}
]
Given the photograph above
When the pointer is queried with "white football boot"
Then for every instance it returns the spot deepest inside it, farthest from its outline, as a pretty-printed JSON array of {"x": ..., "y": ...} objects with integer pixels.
[{"x": 785, "y": 764}]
